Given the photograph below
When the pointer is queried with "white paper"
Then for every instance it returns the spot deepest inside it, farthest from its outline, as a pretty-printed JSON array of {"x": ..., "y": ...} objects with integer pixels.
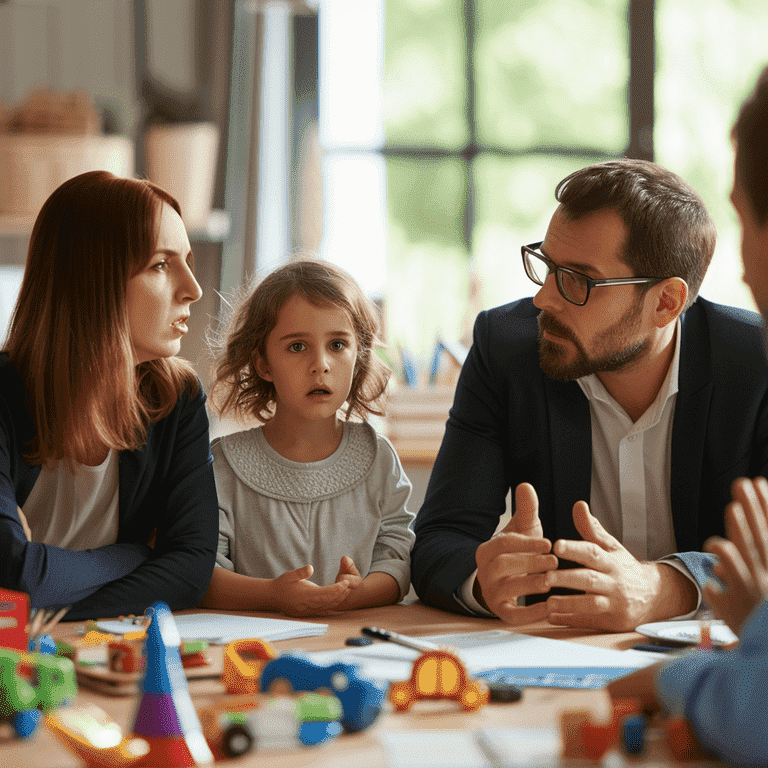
[
  {"x": 224, "y": 628},
  {"x": 433, "y": 749},
  {"x": 482, "y": 651}
]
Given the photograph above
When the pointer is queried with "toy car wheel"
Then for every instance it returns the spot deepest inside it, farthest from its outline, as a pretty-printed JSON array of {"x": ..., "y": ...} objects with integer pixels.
[
  {"x": 237, "y": 740},
  {"x": 471, "y": 697},
  {"x": 400, "y": 695}
]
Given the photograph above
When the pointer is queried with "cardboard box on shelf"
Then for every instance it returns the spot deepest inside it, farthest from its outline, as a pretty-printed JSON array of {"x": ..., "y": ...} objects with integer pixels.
[{"x": 32, "y": 165}]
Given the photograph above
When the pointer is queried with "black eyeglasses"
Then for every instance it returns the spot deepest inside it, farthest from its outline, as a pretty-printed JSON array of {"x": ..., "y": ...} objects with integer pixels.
[{"x": 573, "y": 286}]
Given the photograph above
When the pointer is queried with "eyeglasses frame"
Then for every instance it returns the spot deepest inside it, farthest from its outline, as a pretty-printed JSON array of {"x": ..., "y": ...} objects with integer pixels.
[{"x": 591, "y": 282}]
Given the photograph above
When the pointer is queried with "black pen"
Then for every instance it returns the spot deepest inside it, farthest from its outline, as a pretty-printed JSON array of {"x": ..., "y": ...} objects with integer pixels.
[
  {"x": 657, "y": 648},
  {"x": 409, "y": 642}
]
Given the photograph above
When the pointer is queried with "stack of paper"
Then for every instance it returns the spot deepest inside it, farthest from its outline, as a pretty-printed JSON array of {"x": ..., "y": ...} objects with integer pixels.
[
  {"x": 535, "y": 657},
  {"x": 224, "y": 628}
]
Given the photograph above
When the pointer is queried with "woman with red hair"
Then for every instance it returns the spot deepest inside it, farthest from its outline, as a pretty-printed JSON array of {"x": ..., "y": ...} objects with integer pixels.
[{"x": 107, "y": 497}]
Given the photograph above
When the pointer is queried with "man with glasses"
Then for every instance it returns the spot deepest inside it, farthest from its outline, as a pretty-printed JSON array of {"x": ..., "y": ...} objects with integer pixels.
[{"x": 617, "y": 405}]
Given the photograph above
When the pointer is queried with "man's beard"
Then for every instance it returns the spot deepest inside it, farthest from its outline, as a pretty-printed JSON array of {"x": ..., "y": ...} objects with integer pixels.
[{"x": 611, "y": 356}]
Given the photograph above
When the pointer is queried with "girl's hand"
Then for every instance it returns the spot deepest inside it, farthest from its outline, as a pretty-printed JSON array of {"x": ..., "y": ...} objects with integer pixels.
[
  {"x": 743, "y": 566},
  {"x": 293, "y": 595},
  {"x": 348, "y": 573}
]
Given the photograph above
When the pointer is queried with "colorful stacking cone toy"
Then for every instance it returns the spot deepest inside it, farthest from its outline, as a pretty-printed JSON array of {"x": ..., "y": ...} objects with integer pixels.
[{"x": 166, "y": 717}]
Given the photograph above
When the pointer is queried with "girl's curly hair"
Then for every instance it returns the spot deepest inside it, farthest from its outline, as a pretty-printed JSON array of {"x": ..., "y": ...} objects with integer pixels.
[{"x": 238, "y": 389}]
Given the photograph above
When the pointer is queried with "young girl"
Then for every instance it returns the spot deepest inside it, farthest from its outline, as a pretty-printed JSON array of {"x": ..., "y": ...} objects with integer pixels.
[
  {"x": 104, "y": 434},
  {"x": 307, "y": 493}
]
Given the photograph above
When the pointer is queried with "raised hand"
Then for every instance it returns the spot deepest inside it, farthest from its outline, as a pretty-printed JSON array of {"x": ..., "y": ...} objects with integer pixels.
[
  {"x": 743, "y": 566},
  {"x": 620, "y": 591},
  {"x": 516, "y": 561},
  {"x": 294, "y": 595}
]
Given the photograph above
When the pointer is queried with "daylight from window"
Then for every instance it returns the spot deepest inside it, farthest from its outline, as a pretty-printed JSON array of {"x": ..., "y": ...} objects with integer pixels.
[{"x": 443, "y": 141}]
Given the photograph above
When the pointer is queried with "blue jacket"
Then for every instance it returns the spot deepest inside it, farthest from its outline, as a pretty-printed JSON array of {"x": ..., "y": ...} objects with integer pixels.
[
  {"x": 722, "y": 693},
  {"x": 510, "y": 424},
  {"x": 168, "y": 484}
]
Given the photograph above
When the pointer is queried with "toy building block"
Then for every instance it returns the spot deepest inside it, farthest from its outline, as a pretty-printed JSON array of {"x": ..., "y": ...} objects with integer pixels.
[
  {"x": 597, "y": 738},
  {"x": 682, "y": 740},
  {"x": 570, "y": 731},
  {"x": 623, "y": 708},
  {"x": 31, "y": 683},
  {"x": 361, "y": 699},
  {"x": 633, "y": 734},
  {"x": 165, "y": 716},
  {"x": 244, "y": 661},
  {"x": 125, "y": 656},
  {"x": 91, "y": 734},
  {"x": 283, "y": 723},
  {"x": 14, "y": 617},
  {"x": 439, "y": 675},
  {"x": 193, "y": 654}
]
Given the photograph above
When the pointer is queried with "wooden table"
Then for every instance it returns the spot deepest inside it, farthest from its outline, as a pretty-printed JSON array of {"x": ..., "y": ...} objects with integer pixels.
[{"x": 540, "y": 707}]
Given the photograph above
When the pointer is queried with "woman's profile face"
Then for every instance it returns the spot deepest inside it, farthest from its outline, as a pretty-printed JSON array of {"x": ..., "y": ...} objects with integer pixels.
[{"x": 159, "y": 296}]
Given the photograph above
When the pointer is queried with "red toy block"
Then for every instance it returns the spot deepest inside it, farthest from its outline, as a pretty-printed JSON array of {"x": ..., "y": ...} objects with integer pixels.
[
  {"x": 682, "y": 740},
  {"x": 570, "y": 730},
  {"x": 14, "y": 617},
  {"x": 597, "y": 738}
]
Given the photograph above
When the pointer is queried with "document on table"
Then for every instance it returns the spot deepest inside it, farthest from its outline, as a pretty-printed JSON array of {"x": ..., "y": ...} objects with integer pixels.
[
  {"x": 496, "y": 747},
  {"x": 498, "y": 648},
  {"x": 224, "y": 628}
]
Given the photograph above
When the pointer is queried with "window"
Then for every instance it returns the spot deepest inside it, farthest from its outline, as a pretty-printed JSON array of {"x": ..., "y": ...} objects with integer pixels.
[{"x": 446, "y": 125}]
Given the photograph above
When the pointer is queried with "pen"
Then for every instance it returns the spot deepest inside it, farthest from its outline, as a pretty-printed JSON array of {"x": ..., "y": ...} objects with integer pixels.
[
  {"x": 392, "y": 637},
  {"x": 657, "y": 648}
]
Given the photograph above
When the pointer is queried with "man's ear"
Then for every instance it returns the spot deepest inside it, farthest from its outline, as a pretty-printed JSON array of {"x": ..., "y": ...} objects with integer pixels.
[
  {"x": 672, "y": 293},
  {"x": 260, "y": 364}
]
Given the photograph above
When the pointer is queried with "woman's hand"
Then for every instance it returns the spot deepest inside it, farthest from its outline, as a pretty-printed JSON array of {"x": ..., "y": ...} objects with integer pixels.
[{"x": 743, "y": 566}]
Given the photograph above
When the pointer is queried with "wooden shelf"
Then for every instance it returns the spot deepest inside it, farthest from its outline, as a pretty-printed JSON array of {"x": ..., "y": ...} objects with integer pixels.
[{"x": 215, "y": 230}]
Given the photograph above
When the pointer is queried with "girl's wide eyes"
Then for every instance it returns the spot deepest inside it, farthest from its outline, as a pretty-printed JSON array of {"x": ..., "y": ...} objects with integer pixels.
[
  {"x": 297, "y": 346},
  {"x": 337, "y": 346}
]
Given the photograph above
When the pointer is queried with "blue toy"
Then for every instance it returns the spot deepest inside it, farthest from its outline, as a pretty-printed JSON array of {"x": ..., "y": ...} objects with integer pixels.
[
  {"x": 361, "y": 699},
  {"x": 633, "y": 734}
]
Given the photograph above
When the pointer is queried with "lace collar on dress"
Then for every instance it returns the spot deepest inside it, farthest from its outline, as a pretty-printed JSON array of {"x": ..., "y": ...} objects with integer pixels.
[{"x": 260, "y": 467}]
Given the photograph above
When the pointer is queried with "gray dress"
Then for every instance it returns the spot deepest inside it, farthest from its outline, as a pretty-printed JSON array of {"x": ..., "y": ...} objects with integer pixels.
[{"x": 276, "y": 515}]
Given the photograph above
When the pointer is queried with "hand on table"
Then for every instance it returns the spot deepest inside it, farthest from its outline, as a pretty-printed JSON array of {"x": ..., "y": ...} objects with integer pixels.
[
  {"x": 294, "y": 595},
  {"x": 743, "y": 566},
  {"x": 620, "y": 591},
  {"x": 516, "y": 561}
]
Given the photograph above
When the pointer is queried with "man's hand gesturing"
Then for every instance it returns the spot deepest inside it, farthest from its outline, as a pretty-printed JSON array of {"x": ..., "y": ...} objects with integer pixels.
[{"x": 515, "y": 562}]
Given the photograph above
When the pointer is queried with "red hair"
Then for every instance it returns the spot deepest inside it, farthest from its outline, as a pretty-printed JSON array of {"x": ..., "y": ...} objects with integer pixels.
[{"x": 69, "y": 337}]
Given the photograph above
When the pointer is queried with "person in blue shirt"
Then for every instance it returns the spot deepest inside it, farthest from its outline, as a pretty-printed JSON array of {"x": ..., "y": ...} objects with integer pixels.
[
  {"x": 722, "y": 693},
  {"x": 107, "y": 495}
]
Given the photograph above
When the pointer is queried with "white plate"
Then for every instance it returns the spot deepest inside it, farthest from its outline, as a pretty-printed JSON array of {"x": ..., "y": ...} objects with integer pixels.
[{"x": 687, "y": 632}]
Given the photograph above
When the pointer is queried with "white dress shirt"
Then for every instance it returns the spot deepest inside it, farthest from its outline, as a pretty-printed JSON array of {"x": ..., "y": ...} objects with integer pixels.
[{"x": 631, "y": 471}]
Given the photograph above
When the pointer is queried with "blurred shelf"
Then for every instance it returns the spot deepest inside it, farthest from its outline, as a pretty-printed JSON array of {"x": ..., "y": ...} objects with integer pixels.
[
  {"x": 215, "y": 230},
  {"x": 16, "y": 225}
]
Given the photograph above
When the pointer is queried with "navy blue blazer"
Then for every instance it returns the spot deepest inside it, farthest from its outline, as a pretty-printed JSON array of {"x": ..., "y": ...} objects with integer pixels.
[
  {"x": 510, "y": 424},
  {"x": 168, "y": 484}
]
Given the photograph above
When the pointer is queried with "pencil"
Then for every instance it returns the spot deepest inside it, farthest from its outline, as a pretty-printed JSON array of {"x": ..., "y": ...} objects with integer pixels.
[
  {"x": 55, "y": 620},
  {"x": 37, "y": 622}
]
